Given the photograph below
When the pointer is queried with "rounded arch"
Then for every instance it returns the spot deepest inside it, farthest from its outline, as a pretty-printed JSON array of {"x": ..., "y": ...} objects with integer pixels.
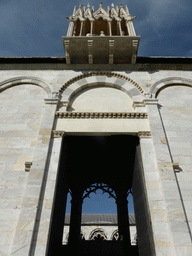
[
  {"x": 26, "y": 80},
  {"x": 107, "y": 79},
  {"x": 170, "y": 81}
]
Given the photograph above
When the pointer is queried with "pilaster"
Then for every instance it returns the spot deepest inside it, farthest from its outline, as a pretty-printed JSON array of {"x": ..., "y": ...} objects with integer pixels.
[
  {"x": 169, "y": 186},
  {"x": 28, "y": 223}
]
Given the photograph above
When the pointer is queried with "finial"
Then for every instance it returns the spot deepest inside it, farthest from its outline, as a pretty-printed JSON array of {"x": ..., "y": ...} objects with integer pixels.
[
  {"x": 112, "y": 5},
  {"x": 88, "y": 6},
  {"x": 74, "y": 10},
  {"x": 121, "y": 6},
  {"x": 80, "y": 6},
  {"x": 127, "y": 10},
  {"x": 101, "y": 5}
]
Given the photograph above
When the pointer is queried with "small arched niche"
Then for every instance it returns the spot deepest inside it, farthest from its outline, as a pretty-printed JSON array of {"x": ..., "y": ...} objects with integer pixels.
[
  {"x": 100, "y": 25},
  {"x": 105, "y": 99}
]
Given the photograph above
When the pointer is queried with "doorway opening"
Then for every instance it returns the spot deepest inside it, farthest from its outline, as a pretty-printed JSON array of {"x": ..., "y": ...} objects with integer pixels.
[{"x": 89, "y": 164}]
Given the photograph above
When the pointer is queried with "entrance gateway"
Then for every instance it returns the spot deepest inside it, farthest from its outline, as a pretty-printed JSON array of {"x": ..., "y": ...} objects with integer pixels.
[{"x": 110, "y": 163}]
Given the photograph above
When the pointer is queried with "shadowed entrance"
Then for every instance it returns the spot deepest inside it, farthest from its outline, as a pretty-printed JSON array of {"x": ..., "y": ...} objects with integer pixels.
[{"x": 89, "y": 163}]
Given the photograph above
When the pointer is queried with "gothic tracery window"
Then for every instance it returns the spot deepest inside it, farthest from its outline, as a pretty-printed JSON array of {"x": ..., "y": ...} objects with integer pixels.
[{"x": 98, "y": 235}]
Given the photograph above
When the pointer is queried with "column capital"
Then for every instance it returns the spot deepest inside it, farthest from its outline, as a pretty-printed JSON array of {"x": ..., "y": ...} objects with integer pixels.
[
  {"x": 58, "y": 134},
  {"x": 144, "y": 134},
  {"x": 51, "y": 101},
  {"x": 151, "y": 101}
]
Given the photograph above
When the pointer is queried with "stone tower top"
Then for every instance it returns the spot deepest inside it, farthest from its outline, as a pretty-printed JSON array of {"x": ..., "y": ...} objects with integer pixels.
[{"x": 101, "y": 36}]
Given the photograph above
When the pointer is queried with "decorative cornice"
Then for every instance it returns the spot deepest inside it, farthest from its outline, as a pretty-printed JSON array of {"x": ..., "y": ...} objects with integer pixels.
[
  {"x": 58, "y": 134},
  {"x": 62, "y": 66},
  {"x": 144, "y": 134},
  {"x": 99, "y": 115},
  {"x": 100, "y": 73}
]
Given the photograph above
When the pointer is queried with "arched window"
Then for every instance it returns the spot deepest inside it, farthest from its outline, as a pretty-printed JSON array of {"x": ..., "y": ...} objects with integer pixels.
[
  {"x": 87, "y": 27},
  {"x": 114, "y": 27},
  {"x": 78, "y": 28},
  {"x": 100, "y": 25},
  {"x": 124, "y": 27}
]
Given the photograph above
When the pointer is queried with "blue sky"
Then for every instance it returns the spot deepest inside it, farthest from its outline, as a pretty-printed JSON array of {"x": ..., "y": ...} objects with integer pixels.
[
  {"x": 35, "y": 27},
  {"x": 100, "y": 203}
]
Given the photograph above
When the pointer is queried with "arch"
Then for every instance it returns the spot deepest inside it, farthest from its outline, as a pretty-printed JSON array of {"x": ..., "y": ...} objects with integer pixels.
[
  {"x": 108, "y": 79},
  {"x": 26, "y": 80},
  {"x": 115, "y": 235},
  {"x": 170, "y": 81},
  {"x": 98, "y": 234},
  {"x": 99, "y": 25}
]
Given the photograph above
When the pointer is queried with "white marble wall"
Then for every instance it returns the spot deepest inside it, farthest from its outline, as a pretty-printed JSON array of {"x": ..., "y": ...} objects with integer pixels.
[{"x": 23, "y": 136}]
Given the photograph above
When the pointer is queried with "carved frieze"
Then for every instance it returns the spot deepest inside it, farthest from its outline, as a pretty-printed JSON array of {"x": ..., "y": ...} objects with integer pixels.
[{"x": 98, "y": 115}]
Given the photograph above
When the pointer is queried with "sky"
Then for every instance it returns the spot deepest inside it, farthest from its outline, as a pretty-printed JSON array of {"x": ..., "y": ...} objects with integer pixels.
[
  {"x": 100, "y": 203},
  {"x": 34, "y": 28}
]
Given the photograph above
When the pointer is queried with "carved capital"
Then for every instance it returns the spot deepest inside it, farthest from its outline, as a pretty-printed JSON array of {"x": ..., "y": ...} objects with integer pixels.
[
  {"x": 146, "y": 134},
  {"x": 58, "y": 134},
  {"x": 138, "y": 104},
  {"x": 151, "y": 101},
  {"x": 51, "y": 101}
]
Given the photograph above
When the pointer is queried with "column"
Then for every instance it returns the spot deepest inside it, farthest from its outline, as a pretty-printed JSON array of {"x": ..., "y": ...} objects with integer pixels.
[
  {"x": 75, "y": 219},
  {"x": 123, "y": 220},
  {"x": 130, "y": 28},
  {"x": 70, "y": 29},
  {"x": 91, "y": 32},
  {"x": 110, "y": 29},
  {"x": 120, "y": 29},
  {"x": 81, "y": 29}
]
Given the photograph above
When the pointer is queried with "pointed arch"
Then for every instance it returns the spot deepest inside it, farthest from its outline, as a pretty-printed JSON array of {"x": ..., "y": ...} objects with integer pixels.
[
  {"x": 170, "y": 81},
  {"x": 26, "y": 80},
  {"x": 107, "y": 79}
]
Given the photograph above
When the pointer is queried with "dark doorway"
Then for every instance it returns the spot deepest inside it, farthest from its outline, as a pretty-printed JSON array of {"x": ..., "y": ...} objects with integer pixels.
[{"x": 93, "y": 162}]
